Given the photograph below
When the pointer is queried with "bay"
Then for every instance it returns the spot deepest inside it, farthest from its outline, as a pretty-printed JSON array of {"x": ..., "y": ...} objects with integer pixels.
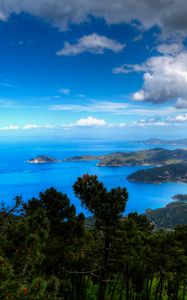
[{"x": 17, "y": 177}]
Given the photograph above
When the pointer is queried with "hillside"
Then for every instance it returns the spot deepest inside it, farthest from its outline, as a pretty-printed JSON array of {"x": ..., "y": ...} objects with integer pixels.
[
  {"x": 180, "y": 197},
  {"x": 170, "y": 173},
  {"x": 83, "y": 158},
  {"x": 151, "y": 157},
  {"x": 169, "y": 217},
  {"x": 42, "y": 159}
]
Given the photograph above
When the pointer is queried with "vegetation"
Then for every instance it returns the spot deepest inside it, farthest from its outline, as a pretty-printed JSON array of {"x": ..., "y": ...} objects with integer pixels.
[
  {"x": 168, "y": 217},
  {"x": 151, "y": 157},
  {"x": 42, "y": 159},
  {"x": 47, "y": 252},
  {"x": 171, "y": 173},
  {"x": 180, "y": 197}
]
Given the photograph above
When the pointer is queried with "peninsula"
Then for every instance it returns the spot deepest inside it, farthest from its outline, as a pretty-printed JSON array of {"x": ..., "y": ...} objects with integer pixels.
[
  {"x": 42, "y": 160},
  {"x": 168, "y": 165},
  {"x": 83, "y": 158},
  {"x": 180, "y": 197},
  {"x": 151, "y": 157},
  {"x": 170, "y": 173}
]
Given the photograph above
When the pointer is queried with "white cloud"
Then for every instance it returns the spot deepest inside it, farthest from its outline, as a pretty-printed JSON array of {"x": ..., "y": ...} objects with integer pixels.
[
  {"x": 65, "y": 91},
  {"x": 181, "y": 118},
  {"x": 10, "y": 127},
  {"x": 165, "y": 76},
  {"x": 150, "y": 122},
  {"x": 90, "y": 122},
  {"x": 93, "y": 106},
  {"x": 93, "y": 122},
  {"x": 171, "y": 48},
  {"x": 139, "y": 96},
  {"x": 35, "y": 126},
  {"x": 25, "y": 127},
  {"x": 92, "y": 43},
  {"x": 30, "y": 126},
  {"x": 128, "y": 68},
  {"x": 178, "y": 118}
]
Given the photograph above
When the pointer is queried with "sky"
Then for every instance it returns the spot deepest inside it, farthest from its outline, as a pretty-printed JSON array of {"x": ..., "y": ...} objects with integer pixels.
[{"x": 93, "y": 69}]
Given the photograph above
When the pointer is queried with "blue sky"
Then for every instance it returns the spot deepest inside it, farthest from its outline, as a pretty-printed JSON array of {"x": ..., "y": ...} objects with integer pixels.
[{"x": 93, "y": 69}]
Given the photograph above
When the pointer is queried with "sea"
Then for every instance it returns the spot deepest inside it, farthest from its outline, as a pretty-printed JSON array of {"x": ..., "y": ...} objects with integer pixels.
[{"x": 19, "y": 178}]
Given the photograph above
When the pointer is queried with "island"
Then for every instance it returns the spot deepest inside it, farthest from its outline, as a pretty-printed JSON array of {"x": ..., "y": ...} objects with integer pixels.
[
  {"x": 169, "y": 173},
  {"x": 174, "y": 214},
  {"x": 180, "y": 197},
  {"x": 151, "y": 157},
  {"x": 42, "y": 159}
]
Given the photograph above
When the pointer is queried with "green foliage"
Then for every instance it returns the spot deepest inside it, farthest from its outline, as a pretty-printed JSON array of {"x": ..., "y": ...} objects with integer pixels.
[
  {"x": 106, "y": 206},
  {"x": 47, "y": 252}
]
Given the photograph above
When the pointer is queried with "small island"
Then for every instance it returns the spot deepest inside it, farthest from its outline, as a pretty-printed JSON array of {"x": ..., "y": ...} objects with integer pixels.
[{"x": 42, "y": 159}]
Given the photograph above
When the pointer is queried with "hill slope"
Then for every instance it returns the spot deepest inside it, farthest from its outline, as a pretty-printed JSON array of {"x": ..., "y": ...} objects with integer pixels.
[
  {"x": 170, "y": 173},
  {"x": 169, "y": 217}
]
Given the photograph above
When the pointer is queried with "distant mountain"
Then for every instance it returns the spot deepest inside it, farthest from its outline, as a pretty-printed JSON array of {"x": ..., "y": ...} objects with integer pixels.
[
  {"x": 155, "y": 141},
  {"x": 42, "y": 159},
  {"x": 169, "y": 217},
  {"x": 169, "y": 173}
]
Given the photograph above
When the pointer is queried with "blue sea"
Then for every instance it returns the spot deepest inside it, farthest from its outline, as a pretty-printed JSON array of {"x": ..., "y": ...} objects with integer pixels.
[{"x": 17, "y": 177}]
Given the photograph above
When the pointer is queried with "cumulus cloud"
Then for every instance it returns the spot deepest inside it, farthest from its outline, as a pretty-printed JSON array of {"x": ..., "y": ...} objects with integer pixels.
[
  {"x": 90, "y": 122},
  {"x": 167, "y": 14},
  {"x": 93, "y": 43},
  {"x": 165, "y": 76},
  {"x": 178, "y": 118},
  {"x": 181, "y": 103},
  {"x": 139, "y": 96}
]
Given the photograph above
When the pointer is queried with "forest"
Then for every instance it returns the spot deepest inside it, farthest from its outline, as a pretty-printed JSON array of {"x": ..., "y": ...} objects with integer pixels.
[{"x": 48, "y": 252}]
